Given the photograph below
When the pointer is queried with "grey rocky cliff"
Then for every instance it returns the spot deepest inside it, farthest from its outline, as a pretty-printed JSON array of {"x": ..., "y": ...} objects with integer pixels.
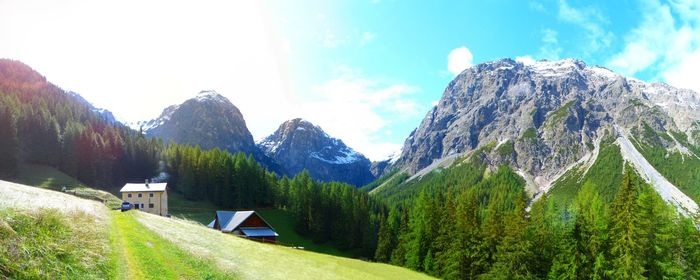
[
  {"x": 542, "y": 117},
  {"x": 208, "y": 120},
  {"x": 298, "y": 144}
]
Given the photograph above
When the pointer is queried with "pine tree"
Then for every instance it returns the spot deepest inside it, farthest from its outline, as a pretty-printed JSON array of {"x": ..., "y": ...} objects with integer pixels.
[
  {"x": 689, "y": 239},
  {"x": 398, "y": 256},
  {"x": 420, "y": 231},
  {"x": 514, "y": 251},
  {"x": 386, "y": 242},
  {"x": 469, "y": 257},
  {"x": 568, "y": 261},
  {"x": 9, "y": 144},
  {"x": 658, "y": 240},
  {"x": 444, "y": 262},
  {"x": 544, "y": 236},
  {"x": 592, "y": 232},
  {"x": 626, "y": 251}
]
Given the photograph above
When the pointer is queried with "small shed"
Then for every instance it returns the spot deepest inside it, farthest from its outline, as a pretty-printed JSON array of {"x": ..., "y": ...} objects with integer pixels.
[{"x": 246, "y": 224}]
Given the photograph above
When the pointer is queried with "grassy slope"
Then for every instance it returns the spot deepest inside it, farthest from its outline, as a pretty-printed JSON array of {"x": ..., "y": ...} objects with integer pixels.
[
  {"x": 681, "y": 170},
  {"x": 142, "y": 254},
  {"x": 79, "y": 239},
  {"x": 43, "y": 244},
  {"x": 202, "y": 212},
  {"x": 174, "y": 242},
  {"x": 605, "y": 176},
  {"x": 283, "y": 222},
  {"x": 45, "y": 177},
  {"x": 264, "y": 261},
  {"x": 50, "y": 178}
]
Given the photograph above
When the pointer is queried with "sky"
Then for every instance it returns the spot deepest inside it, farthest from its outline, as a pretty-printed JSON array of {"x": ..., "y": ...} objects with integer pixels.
[{"x": 367, "y": 72}]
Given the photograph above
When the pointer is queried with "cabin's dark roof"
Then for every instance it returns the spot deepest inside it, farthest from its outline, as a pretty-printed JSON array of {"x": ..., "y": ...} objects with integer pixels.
[
  {"x": 258, "y": 232},
  {"x": 230, "y": 220}
]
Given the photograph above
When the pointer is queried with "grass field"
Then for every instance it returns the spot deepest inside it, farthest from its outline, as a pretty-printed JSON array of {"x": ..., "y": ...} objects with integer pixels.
[
  {"x": 45, "y": 177},
  {"x": 282, "y": 221},
  {"x": 254, "y": 260},
  {"x": 45, "y": 244},
  {"x": 199, "y": 211},
  {"x": 142, "y": 254},
  {"x": 81, "y": 239},
  {"x": 50, "y": 178}
]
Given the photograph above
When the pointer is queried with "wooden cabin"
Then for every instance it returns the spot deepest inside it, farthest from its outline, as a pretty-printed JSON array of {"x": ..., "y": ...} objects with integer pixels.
[{"x": 246, "y": 224}]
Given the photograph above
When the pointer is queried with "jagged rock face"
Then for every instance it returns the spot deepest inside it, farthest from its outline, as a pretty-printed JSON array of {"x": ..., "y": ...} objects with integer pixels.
[
  {"x": 208, "y": 120},
  {"x": 548, "y": 115},
  {"x": 298, "y": 144}
]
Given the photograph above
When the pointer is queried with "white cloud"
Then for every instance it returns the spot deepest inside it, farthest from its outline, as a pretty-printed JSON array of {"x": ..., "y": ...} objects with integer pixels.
[
  {"x": 590, "y": 20},
  {"x": 359, "y": 110},
  {"x": 367, "y": 37},
  {"x": 666, "y": 42},
  {"x": 527, "y": 60},
  {"x": 459, "y": 59},
  {"x": 536, "y": 6},
  {"x": 685, "y": 73},
  {"x": 550, "y": 48},
  {"x": 646, "y": 43}
]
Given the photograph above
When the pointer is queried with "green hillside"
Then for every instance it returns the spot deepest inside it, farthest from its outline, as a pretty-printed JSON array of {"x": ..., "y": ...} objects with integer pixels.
[
  {"x": 266, "y": 261},
  {"x": 83, "y": 240},
  {"x": 50, "y": 178},
  {"x": 282, "y": 221},
  {"x": 604, "y": 176}
]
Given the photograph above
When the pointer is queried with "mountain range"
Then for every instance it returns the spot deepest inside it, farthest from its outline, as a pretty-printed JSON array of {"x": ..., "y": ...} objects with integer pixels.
[
  {"x": 543, "y": 119},
  {"x": 210, "y": 120},
  {"x": 548, "y": 117}
]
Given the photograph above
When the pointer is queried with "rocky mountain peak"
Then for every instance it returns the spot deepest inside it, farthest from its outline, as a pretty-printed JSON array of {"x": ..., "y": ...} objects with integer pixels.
[
  {"x": 209, "y": 120},
  {"x": 299, "y": 144},
  {"x": 210, "y": 96},
  {"x": 542, "y": 116}
]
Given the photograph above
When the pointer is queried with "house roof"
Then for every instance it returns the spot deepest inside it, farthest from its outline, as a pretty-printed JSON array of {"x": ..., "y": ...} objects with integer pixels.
[
  {"x": 230, "y": 220},
  {"x": 258, "y": 232},
  {"x": 142, "y": 187}
]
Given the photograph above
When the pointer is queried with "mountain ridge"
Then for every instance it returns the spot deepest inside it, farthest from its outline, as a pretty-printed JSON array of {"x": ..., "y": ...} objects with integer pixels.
[
  {"x": 545, "y": 117},
  {"x": 299, "y": 144}
]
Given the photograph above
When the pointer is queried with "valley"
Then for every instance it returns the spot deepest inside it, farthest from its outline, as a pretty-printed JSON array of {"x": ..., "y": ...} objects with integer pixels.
[{"x": 516, "y": 168}]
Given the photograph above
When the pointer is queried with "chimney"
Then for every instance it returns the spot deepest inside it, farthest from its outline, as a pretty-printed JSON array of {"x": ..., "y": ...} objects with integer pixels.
[{"x": 146, "y": 182}]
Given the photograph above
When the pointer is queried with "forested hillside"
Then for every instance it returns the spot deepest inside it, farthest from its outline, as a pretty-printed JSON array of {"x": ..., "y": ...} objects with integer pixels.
[
  {"x": 327, "y": 212},
  {"x": 42, "y": 124},
  {"x": 466, "y": 225}
]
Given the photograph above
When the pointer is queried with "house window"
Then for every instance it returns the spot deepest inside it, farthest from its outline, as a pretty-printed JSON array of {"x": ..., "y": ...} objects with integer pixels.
[
  {"x": 140, "y": 195},
  {"x": 150, "y": 195},
  {"x": 150, "y": 205},
  {"x": 128, "y": 195},
  {"x": 142, "y": 206}
]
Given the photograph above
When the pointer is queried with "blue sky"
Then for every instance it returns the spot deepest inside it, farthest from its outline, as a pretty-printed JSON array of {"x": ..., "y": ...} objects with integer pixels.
[{"x": 365, "y": 71}]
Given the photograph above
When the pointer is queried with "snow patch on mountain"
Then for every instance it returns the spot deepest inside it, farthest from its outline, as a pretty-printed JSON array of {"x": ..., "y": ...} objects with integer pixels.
[{"x": 345, "y": 156}]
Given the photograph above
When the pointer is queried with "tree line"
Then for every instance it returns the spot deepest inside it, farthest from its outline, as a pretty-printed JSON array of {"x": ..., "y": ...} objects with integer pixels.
[
  {"x": 483, "y": 231},
  {"x": 42, "y": 124},
  {"x": 324, "y": 211}
]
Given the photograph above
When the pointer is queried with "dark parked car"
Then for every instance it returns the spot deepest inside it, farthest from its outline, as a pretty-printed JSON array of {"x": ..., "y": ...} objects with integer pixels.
[{"x": 126, "y": 206}]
